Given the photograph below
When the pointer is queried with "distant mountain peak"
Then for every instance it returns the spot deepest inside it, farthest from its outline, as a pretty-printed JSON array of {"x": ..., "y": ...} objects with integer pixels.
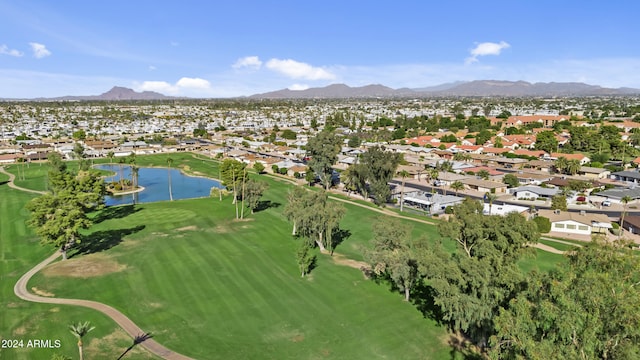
[{"x": 123, "y": 93}]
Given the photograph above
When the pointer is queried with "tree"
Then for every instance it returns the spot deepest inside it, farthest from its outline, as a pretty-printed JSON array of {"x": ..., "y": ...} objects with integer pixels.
[
  {"x": 80, "y": 330},
  {"x": 294, "y": 210},
  {"x": 110, "y": 155},
  {"x": 58, "y": 219},
  {"x": 305, "y": 259},
  {"x": 393, "y": 255},
  {"x": 511, "y": 180},
  {"x": 573, "y": 166},
  {"x": 253, "y": 192},
  {"x": 457, "y": 186},
  {"x": 381, "y": 166},
  {"x": 491, "y": 198},
  {"x": 316, "y": 218},
  {"x": 546, "y": 141},
  {"x": 483, "y": 174},
  {"x": 471, "y": 285},
  {"x": 483, "y": 136},
  {"x": 625, "y": 200},
  {"x": 323, "y": 151},
  {"x": 586, "y": 308},
  {"x": 355, "y": 177},
  {"x": 169, "y": 162},
  {"x": 288, "y": 134},
  {"x": 58, "y": 216},
  {"x": 561, "y": 164},
  {"x": 559, "y": 202},
  {"x": 309, "y": 177},
  {"x": 258, "y": 167},
  {"x": 403, "y": 174}
]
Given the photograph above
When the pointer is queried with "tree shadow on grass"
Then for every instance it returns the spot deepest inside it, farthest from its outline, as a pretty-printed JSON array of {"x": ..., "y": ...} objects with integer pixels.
[
  {"x": 115, "y": 212},
  {"x": 137, "y": 340},
  {"x": 103, "y": 240},
  {"x": 424, "y": 299},
  {"x": 4, "y": 182},
  {"x": 266, "y": 204},
  {"x": 338, "y": 236}
]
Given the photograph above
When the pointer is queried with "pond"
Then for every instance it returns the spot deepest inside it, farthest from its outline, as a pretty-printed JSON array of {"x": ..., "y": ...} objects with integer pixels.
[{"x": 155, "y": 182}]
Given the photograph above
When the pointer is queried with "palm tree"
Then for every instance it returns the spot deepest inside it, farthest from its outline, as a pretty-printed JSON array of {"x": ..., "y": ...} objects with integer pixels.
[
  {"x": 79, "y": 330},
  {"x": 169, "y": 162},
  {"x": 110, "y": 155},
  {"x": 403, "y": 174},
  {"x": 457, "y": 186},
  {"x": 560, "y": 164},
  {"x": 491, "y": 197},
  {"x": 625, "y": 200},
  {"x": 573, "y": 166}
]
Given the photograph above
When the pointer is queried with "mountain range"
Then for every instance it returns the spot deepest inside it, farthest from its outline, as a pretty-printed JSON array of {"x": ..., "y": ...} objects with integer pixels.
[
  {"x": 478, "y": 88},
  {"x": 494, "y": 88}
]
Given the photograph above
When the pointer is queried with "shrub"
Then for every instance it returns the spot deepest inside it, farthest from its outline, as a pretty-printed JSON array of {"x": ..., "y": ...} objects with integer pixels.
[
  {"x": 543, "y": 223},
  {"x": 448, "y": 210}
]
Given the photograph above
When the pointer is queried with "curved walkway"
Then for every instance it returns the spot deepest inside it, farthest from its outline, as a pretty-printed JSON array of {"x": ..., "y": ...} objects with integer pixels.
[
  {"x": 139, "y": 336},
  {"x": 20, "y": 289},
  {"x": 14, "y": 186}
]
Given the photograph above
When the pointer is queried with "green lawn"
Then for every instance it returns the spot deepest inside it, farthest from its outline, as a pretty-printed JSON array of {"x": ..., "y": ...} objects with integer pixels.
[
  {"x": 211, "y": 287},
  {"x": 20, "y": 320}
]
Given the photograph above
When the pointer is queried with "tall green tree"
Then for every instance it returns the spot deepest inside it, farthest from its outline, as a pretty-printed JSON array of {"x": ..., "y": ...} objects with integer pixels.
[
  {"x": 586, "y": 308},
  {"x": 323, "y": 151},
  {"x": 457, "y": 186},
  {"x": 559, "y": 202},
  {"x": 393, "y": 255},
  {"x": 316, "y": 218},
  {"x": 404, "y": 174},
  {"x": 304, "y": 257},
  {"x": 253, "y": 192},
  {"x": 471, "y": 285},
  {"x": 381, "y": 166},
  {"x": 546, "y": 141},
  {"x": 625, "y": 201}
]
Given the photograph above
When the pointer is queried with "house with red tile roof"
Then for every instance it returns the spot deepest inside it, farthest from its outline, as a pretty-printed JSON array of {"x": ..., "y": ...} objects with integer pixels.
[
  {"x": 583, "y": 159},
  {"x": 527, "y": 152},
  {"x": 495, "y": 151},
  {"x": 546, "y": 121}
]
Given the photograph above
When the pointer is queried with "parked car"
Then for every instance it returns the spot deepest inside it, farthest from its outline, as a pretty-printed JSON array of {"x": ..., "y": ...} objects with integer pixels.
[
  {"x": 581, "y": 199},
  {"x": 606, "y": 203}
]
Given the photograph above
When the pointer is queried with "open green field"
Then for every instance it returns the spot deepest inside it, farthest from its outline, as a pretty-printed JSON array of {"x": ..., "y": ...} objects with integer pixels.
[
  {"x": 209, "y": 286},
  {"x": 20, "y": 320}
]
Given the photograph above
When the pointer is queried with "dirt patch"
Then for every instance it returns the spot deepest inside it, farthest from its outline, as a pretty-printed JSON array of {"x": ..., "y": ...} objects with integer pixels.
[
  {"x": 188, "y": 228},
  {"x": 221, "y": 229},
  {"x": 297, "y": 338},
  {"x": 37, "y": 291},
  {"x": 84, "y": 267},
  {"x": 115, "y": 343},
  {"x": 55, "y": 310}
]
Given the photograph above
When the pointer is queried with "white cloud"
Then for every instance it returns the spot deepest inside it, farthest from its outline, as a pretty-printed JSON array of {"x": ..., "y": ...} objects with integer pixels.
[
  {"x": 299, "y": 70},
  {"x": 185, "y": 86},
  {"x": 193, "y": 83},
  {"x": 157, "y": 86},
  {"x": 486, "y": 48},
  {"x": 252, "y": 62},
  {"x": 299, "y": 87},
  {"x": 4, "y": 50},
  {"x": 152, "y": 68},
  {"x": 39, "y": 50}
]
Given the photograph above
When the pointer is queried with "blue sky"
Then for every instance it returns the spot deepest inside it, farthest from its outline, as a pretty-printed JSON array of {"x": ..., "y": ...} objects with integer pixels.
[{"x": 235, "y": 48}]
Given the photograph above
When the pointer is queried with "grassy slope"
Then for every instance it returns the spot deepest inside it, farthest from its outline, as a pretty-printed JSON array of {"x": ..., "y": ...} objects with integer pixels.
[{"x": 19, "y": 251}]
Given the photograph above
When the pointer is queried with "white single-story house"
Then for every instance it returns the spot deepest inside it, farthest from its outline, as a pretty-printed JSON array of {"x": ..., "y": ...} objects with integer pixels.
[
  {"x": 581, "y": 223},
  {"x": 432, "y": 203},
  {"x": 534, "y": 192},
  {"x": 502, "y": 210}
]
